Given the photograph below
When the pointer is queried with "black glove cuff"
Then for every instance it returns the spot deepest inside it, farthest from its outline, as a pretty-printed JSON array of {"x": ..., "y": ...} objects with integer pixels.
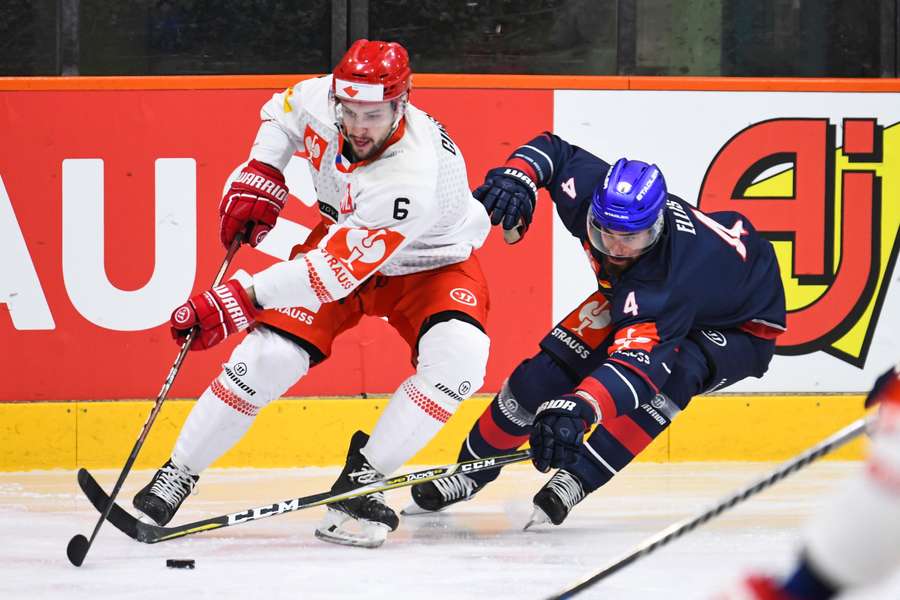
[{"x": 518, "y": 176}]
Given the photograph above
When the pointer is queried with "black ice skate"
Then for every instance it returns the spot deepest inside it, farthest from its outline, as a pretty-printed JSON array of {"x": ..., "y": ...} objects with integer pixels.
[
  {"x": 373, "y": 517},
  {"x": 160, "y": 499},
  {"x": 433, "y": 496},
  {"x": 555, "y": 500}
]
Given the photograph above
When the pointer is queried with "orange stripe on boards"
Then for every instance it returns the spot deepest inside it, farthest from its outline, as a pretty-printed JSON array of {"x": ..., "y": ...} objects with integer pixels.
[
  {"x": 461, "y": 81},
  {"x": 765, "y": 84}
]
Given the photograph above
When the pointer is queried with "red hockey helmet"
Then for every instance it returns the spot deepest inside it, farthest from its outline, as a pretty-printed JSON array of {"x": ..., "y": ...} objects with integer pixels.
[{"x": 372, "y": 71}]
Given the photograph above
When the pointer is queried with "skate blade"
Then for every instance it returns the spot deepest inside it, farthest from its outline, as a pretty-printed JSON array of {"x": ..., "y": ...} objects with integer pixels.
[
  {"x": 332, "y": 530},
  {"x": 414, "y": 510},
  {"x": 538, "y": 518},
  {"x": 144, "y": 518},
  {"x": 346, "y": 538}
]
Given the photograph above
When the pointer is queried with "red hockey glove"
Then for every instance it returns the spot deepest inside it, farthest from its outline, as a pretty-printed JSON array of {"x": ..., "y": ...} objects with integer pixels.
[
  {"x": 224, "y": 310},
  {"x": 253, "y": 202},
  {"x": 558, "y": 431},
  {"x": 886, "y": 388}
]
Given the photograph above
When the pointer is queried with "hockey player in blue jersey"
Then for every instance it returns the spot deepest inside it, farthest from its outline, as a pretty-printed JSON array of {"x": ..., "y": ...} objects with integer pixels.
[{"x": 686, "y": 303}]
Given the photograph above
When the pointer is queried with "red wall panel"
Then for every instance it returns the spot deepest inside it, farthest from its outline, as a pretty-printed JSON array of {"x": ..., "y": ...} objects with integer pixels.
[{"x": 129, "y": 130}]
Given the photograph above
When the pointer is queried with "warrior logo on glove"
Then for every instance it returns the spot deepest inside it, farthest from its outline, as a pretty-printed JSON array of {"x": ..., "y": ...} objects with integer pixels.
[
  {"x": 181, "y": 315},
  {"x": 222, "y": 311},
  {"x": 252, "y": 203}
]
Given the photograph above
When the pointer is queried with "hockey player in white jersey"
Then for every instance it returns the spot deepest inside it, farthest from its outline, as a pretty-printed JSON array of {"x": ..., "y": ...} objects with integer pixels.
[
  {"x": 396, "y": 239},
  {"x": 854, "y": 540}
]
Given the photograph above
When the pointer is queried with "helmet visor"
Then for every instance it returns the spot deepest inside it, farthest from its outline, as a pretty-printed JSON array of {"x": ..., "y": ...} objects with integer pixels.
[{"x": 623, "y": 244}]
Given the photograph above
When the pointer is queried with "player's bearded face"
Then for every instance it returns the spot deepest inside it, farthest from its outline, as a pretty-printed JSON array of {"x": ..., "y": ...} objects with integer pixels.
[
  {"x": 367, "y": 126},
  {"x": 625, "y": 245}
]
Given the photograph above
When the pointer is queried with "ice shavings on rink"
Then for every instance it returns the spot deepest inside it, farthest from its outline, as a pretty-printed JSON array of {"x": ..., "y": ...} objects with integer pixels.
[{"x": 475, "y": 550}]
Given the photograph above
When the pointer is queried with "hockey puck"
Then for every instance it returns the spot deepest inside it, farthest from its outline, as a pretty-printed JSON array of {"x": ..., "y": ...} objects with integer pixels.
[{"x": 180, "y": 563}]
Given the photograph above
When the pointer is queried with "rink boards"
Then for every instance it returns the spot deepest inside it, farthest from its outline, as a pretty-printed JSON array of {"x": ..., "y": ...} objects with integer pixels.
[
  {"x": 315, "y": 431},
  {"x": 108, "y": 218}
]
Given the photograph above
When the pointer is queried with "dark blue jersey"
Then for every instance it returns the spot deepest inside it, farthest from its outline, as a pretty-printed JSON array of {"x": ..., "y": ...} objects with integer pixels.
[{"x": 706, "y": 271}]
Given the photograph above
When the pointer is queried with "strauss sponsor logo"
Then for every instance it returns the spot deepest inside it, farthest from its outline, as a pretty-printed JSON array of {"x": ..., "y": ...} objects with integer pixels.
[{"x": 593, "y": 315}]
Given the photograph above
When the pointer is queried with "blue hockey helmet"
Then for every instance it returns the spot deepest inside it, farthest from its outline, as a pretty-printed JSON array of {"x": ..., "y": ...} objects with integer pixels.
[{"x": 626, "y": 214}]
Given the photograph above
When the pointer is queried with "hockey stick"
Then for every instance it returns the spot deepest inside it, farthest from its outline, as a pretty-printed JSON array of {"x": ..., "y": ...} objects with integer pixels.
[
  {"x": 151, "y": 534},
  {"x": 689, "y": 524},
  {"x": 79, "y": 545}
]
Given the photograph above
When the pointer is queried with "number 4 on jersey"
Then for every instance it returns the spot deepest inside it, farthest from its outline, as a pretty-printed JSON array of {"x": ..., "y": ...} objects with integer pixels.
[
  {"x": 631, "y": 305},
  {"x": 568, "y": 187},
  {"x": 731, "y": 236}
]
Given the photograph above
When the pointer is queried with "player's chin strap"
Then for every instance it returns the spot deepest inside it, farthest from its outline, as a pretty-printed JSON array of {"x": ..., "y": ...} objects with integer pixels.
[{"x": 678, "y": 529}]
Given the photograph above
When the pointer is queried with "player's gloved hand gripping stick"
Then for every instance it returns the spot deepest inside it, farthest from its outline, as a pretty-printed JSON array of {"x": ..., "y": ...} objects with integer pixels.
[
  {"x": 558, "y": 431},
  {"x": 79, "y": 545}
]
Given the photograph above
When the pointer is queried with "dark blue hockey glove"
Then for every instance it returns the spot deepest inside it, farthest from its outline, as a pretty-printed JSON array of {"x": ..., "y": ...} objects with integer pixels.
[
  {"x": 558, "y": 431},
  {"x": 508, "y": 196},
  {"x": 887, "y": 385}
]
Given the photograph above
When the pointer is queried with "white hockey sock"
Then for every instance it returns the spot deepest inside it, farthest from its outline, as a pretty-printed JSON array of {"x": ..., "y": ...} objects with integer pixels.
[
  {"x": 216, "y": 423},
  {"x": 415, "y": 413},
  {"x": 261, "y": 368}
]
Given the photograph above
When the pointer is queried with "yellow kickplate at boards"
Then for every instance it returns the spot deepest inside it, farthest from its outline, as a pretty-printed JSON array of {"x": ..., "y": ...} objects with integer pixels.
[{"x": 294, "y": 432}]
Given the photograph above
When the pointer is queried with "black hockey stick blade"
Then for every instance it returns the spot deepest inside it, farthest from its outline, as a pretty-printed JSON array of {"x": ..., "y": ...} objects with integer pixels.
[
  {"x": 151, "y": 534},
  {"x": 77, "y": 549},
  {"x": 120, "y": 519}
]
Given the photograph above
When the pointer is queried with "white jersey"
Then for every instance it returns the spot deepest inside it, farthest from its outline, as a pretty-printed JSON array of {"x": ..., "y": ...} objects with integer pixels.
[{"x": 408, "y": 210}]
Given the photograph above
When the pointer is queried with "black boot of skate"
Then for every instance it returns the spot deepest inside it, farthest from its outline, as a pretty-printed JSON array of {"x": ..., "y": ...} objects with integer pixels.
[
  {"x": 554, "y": 501},
  {"x": 159, "y": 500},
  {"x": 434, "y": 496},
  {"x": 373, "y": 517}
]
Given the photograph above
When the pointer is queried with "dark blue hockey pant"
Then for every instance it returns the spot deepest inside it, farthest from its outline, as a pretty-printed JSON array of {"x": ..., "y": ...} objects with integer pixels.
[{"x": 708, "y": 360}]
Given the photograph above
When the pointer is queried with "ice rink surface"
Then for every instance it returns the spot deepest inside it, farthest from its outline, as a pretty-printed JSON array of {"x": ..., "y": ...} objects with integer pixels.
[{"x": 475, "y": 550}]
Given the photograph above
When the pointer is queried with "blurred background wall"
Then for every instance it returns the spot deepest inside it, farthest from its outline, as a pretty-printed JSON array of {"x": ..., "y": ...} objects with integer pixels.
[{"x": 768, "y": 38}]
